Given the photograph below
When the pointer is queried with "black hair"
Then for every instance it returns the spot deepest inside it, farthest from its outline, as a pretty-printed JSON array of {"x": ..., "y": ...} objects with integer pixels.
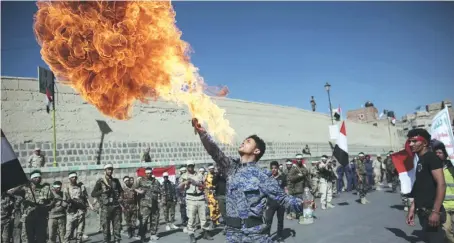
[
  {"x": 260, "y": 145},
  {"x": 126, "y": 177},
  {"x": 57, "y": 183},
  {"x": 275, "y": 163},
  {"x": 288, "y": 160},
  {"x": 419, "y": 132},
  {"x": 35, "y": 171},
  {"x": 149, "y": 168},
  {"x": 324, "y": 156},
  {"x": 441, "y": 146}
]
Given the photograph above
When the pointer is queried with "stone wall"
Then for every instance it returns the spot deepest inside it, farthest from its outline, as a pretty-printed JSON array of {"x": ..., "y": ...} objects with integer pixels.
[{"x": 164, "y": 127}]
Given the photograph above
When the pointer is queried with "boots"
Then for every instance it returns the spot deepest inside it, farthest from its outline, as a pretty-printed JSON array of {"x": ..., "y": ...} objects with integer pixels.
[
  {"x": 363, "y": 200},
  {"x": 130, "y": 232},
  {"x": 206, "y": 235},
  {"x": 192, "y": 238},
  {"x": 329, "y": 205}
]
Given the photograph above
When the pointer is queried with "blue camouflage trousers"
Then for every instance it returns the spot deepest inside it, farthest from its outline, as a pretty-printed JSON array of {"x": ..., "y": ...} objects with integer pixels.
[{"x": 234, "y": 236}]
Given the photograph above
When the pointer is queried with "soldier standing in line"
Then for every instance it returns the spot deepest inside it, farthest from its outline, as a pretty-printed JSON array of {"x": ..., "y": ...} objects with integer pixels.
[
  {"x": 150, "y": 193},
  {"x": 288, "y": 167},
  {"x": 192, "y": 182},
  {"x": 57, "y": 214},
  {"x": 248, "y": 188},
  {"x": 340, "y": 171},
  {"x": 326, "y": 187},
  {"x": 36, "y": 160},
  {"x": 169, "y": 200},
  {"x": 350, "y": 173},
  {"x": 181, "y": 197},
  {"x": 299, "y": 177},
  {"x": 108, "y": 190},
  {"x": 7, "y": 216},
  {"x": 274, "y": 206},
  {"x": 362, "y": 178},
  {"x": 77, "y": 197},
  {"x": 315, "y": 178},
  {"x": 377, "y": 172},
  {"x": 37, "y": 200},
  {"x": 213, "y": 205},
  {"x": 391, "y": 172},
  {"x": 129, "y": 206}
]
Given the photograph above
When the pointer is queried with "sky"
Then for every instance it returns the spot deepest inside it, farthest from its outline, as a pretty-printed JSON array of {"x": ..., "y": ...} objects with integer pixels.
[{"x": 398, "y": 55}]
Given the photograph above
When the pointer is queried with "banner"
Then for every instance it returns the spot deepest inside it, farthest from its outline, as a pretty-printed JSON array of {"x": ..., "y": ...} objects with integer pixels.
[
  {"x": 441, "y": 130},
  {"x": 334, "y": 132}
]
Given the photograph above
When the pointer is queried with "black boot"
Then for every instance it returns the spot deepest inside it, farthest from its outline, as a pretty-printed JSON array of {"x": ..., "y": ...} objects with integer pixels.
[
  {"x": 130, "y": 231},
  {"x": 206, "y": 235},
  {"x": 192, "y": 238}
]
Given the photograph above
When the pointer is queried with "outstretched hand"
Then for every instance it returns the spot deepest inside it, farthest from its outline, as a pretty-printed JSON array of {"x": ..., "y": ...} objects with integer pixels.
[{"x": 197, "y": 127}]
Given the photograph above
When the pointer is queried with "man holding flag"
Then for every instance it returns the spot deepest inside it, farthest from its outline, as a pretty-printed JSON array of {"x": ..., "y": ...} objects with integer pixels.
[{"x": 429, "y": 185}]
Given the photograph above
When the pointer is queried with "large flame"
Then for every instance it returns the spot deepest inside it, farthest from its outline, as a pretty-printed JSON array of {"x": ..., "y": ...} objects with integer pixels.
[{"x": 114, "y": 53}]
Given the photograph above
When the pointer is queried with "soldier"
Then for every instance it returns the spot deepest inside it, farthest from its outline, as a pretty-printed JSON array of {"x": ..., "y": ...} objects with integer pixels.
[
  {"x": 362, "y": 178},
  {"x": 77, "y": 197},
  {"x": 181, "y": 197},
  {"x": 37, "y": 200},
  {"x": 146, "y": 156},
  {"x": 391, "y": 173},
  {"x": 169, "y": 200},
  {"x": 369, "y": 172},
  {"x": 247, "y": 189},
  {"x": 108, "y": 190},
  {"x": 340, "y": 170},
  {"x": 57, "y": 214},
  {"x": 313, "y": 104},
  {"x": 315, "y": 178},
  {"x": 299, "y": 177},
  {"x": 326, "y": 187},
  {"x": 350, "y": 173},
  {"x": 274, "y": 206},
  {"x": 17, "y": 215},
  {"x": 130, "y": 205},
  {"x": 36, "y": 160},
  {"x": 7, "y": 216},
  {"x": 377, "y": 172},
  {"x": 150, "y": 193},
  {"x": 192, "y": 182},
  {"x": 213, "y": 205}
]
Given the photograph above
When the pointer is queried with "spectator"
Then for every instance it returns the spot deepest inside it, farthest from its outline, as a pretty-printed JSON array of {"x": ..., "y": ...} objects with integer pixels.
[{"x": 36, "y": 160}]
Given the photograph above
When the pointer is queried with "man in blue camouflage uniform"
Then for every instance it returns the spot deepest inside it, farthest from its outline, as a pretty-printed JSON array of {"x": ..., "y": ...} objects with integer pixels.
[{"x": 248, "y": 188}]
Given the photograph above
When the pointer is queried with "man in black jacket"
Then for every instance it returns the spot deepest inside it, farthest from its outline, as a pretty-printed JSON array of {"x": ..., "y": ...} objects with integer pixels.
[{"x": 273, "y": 206}]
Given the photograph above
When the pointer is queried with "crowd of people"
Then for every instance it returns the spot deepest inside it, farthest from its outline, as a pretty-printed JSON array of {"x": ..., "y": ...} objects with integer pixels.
[{"x": 234, "y": 194}]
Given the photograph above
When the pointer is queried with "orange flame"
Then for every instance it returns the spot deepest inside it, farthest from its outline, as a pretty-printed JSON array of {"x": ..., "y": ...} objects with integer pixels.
[{"x": 114, "y": 53}]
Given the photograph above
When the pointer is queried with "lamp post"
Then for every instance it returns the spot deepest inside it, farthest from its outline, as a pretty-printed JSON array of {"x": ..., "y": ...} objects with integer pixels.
[{"x": 327, "y": 87}]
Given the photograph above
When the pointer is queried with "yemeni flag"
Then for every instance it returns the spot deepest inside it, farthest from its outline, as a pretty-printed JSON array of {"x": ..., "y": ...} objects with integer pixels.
[
  {"x": 158, "y": 173},
  {"x": 12, "y": 173},
  {"x": 340, "y": 151},
  {"x": 405, "y": 163}
]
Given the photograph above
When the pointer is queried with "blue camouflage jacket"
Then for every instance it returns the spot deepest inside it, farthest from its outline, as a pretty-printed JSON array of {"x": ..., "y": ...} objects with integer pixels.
[{"x": 248, "y": 186}]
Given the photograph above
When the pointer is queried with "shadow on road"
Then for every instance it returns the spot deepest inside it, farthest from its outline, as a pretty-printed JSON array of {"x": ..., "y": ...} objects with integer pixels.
[
  {"x": 343, "y": 204},
  {"x": 390, "y": 191},
  {"x": 397, "y": 206},
  {"x": 168, "y": 232},
  {"x": 287, "y": 232},
  {"x": 415, "y": 237}
]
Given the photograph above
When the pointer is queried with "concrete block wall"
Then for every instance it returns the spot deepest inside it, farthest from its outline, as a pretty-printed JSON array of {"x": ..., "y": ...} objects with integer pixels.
[{"x": 164, "y": 127}]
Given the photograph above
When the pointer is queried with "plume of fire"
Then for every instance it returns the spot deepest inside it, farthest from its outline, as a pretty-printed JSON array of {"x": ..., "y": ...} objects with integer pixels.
[{"x": 116, "y": 52}]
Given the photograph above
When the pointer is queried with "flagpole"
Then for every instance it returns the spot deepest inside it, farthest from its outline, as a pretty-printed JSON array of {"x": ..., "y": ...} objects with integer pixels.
[
  {"x": 54, "y": 131},
  {"x": 389, "y": 133}
]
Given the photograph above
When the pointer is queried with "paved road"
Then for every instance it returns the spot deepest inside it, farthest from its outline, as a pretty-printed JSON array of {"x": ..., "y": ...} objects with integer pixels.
[{"x": 381, "y": 221}]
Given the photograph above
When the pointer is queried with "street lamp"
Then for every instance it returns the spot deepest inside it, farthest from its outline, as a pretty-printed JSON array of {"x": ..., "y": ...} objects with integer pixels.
[{"x": 328, "y": 87}]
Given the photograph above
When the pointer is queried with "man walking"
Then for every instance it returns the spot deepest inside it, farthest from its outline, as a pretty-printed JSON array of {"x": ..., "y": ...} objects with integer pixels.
[
  {"x": 248, "y": 188},
  {"x": 429, "y": 188}
]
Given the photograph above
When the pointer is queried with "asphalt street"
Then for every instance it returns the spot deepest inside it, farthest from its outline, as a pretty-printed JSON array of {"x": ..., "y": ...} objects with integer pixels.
[{"x": 380, "y": 221}]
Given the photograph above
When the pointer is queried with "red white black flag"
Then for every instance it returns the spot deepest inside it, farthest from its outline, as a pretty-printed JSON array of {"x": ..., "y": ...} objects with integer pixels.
[
  {"x": 12, "y": 173},
  {"x": 405, "y": 163},
  {"x": 340, "y": 151},
  {"x": 49, "y": 99}
]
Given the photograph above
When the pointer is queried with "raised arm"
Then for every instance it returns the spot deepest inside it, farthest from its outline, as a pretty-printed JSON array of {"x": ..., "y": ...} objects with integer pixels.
[{"x": 222, "y": 161}]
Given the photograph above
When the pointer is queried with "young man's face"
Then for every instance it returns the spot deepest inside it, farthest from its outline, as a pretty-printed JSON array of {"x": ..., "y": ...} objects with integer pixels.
[
  {"x": 416, "y": 144},
  {"x": 440, "y": 154},
  {"x": 289, "y": 166},
  {"x": 248, "y": 147},
  {"x": 274, "y": 169},
  {"x": 109, "y": 171},
  {"x": 191, "y": 168}
]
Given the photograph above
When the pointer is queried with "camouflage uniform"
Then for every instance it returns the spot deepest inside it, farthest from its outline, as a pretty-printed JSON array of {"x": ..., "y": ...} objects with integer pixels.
[
  {"x": 248, "y": 188},
  {"x": 315, "y": 179},
  {"x": 77, "y": 209},
  {"x": 57, "y": 218},
  {"x": 169, "y": 200},
  {"x": 130, "y": 208},
  {"x": 362, "y": 179},
  {"x": 109, "y": 191},
  {"x": 299, "y": 178},
  {"x": 36, "y": 161},
  {"x": 7, "y": 216},
  {"x": 149, "y": 205},
  {"x": 35, "y": 212},
  {"x": 391, "y": 173}
]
